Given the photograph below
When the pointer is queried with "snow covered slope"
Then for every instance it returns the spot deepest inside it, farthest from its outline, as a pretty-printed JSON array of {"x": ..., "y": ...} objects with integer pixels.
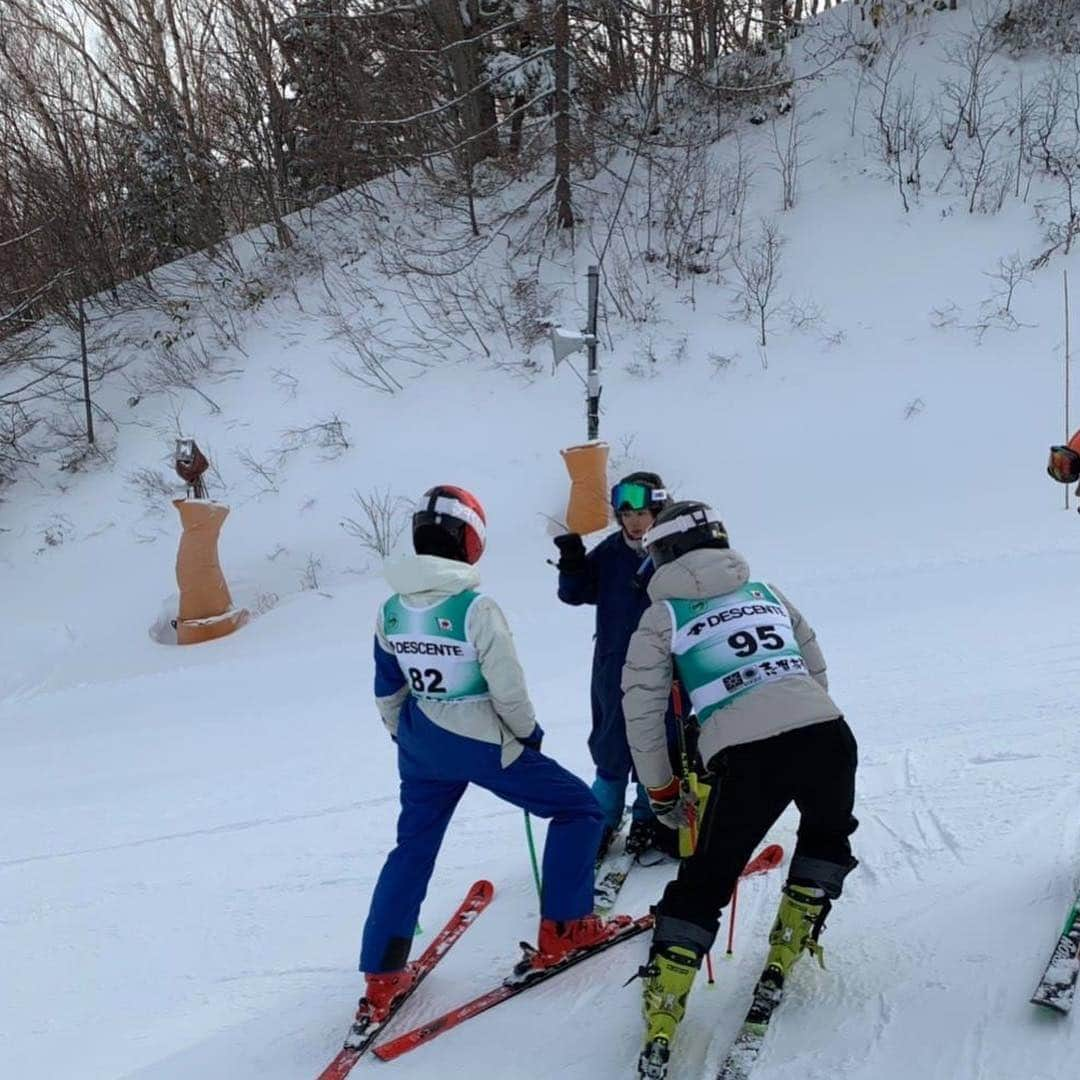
[{"x": 191, "y": 835}]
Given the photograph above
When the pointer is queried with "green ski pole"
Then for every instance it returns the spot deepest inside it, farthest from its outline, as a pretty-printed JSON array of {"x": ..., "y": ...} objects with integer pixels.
[{"x": 532, "y": 854}]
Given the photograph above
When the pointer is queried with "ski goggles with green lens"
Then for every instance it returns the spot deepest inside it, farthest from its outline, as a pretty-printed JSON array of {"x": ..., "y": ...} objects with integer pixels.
[
  {"x": 1064, "y": 464},
  {"x": 634, "y": 495}
]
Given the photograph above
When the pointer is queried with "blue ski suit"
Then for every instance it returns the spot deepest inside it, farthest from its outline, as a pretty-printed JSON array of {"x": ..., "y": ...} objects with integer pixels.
[
  {"x": 457, "y": 707},
  {"x": 614, "y": 580}
]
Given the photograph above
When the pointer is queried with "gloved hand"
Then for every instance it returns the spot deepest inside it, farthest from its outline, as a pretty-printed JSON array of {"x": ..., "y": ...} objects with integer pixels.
[
  {"x": 534, "y": 738},
  {"x": 673, "y": 804},
  {"x": 571, "y": 554}
]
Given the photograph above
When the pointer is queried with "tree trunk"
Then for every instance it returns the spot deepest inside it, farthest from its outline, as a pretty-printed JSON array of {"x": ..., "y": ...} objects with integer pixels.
[
  {"x": 477, "y": 110},
  {"x": 563, "y": 208},
  {"x": 773, "y": 16}
]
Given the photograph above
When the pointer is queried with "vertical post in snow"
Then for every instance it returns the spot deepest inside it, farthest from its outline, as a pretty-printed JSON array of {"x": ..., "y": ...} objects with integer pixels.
[
  {"x": 593, "y": 408},
  {"x": 85, "y": 374},
  {"x": 1065, "y": 281}
]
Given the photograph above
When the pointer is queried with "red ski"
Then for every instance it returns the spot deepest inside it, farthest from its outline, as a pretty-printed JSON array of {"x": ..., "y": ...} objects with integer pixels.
[
  {"x": 362, "y": 1035},
  {"x": 768, "y": 859},
  {"x": 511, "y": 987}
]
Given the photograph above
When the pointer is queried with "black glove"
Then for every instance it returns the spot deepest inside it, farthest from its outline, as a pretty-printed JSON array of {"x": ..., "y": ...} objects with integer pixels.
[
  {"x": 534, "y": 739},
  {"x": 571, "y": 554}
]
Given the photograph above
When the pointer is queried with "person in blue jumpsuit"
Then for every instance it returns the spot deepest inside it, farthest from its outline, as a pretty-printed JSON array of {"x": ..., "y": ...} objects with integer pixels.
[
  {"x": 613, "y": 577},
  {"x": 451, "y": 692}
]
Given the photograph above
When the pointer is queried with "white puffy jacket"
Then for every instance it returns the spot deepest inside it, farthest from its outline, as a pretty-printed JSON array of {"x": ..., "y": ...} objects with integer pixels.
[
  {"x": 507, "y": 715},
  {"x": 759, "y": 713}
]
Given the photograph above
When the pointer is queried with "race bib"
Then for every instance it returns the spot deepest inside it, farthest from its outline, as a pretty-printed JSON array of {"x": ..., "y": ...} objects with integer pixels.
[
  {"x": 729, "y": 644},
  {"x": 432, "y": 649}
]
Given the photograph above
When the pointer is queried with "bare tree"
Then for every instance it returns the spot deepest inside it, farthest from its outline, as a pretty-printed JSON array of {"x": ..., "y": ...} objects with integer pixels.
[
  {"x": 904, "y": 136},
  {"x": 973, "y": 89},
  {"x": 758, "y": 266},
  {"x": 788, "y": 148},
  {"x": 383, "y": 517},
  {"x": 996, "y": 311}
]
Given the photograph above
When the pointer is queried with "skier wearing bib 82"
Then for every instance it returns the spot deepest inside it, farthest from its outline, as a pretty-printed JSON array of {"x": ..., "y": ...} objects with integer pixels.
[
  {"x": 450, "y": 690},
  {"x": 770, "y": 733}
]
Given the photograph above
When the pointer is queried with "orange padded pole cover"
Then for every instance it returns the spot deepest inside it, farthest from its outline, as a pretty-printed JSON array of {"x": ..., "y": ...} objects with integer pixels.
[
  {"x": 588, "y": 508},
  {"x": 206, "y": 608}
]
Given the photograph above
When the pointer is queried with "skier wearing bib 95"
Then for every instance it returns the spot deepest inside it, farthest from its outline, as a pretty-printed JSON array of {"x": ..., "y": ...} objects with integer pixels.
[
  {"x": 771, "y": 735},
  {"x": 451, "y": 692}
]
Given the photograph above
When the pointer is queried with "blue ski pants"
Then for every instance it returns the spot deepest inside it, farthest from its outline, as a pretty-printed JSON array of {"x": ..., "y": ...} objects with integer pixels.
[
  {"x": 610, "y": 792},
  {"x": 436, "y": 766}
]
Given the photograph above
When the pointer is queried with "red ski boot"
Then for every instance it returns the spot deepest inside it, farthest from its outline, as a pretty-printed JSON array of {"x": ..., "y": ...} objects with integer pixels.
[
  {"x": 381, "y": 991},
  {"x": 557, "y": 940}
]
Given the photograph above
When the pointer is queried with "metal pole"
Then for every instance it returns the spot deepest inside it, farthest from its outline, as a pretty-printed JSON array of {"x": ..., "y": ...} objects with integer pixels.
[
  {"x": 593, "y": 407},
  {"x": 1068, "y": 434},
  {"x": 85, "y": 374}
]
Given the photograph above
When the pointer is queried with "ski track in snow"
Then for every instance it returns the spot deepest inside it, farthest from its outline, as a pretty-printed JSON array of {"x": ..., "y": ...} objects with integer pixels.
[{"x": 235, "y": 826}]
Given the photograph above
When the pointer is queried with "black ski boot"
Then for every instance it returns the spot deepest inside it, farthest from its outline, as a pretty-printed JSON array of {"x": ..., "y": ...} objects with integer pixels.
[
  {"x": 653, "y": 1063},
  {"x": 640, "y": 837},
  {"x": 605, "y": 843}
]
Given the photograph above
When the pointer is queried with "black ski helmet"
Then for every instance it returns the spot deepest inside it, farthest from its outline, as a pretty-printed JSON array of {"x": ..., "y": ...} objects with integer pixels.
[
  {"x": 681, "y": 527},
  {"x": 655, "y": 495}
]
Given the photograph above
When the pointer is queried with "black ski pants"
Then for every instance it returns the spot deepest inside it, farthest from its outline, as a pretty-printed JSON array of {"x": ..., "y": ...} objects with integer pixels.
[{"x": 754, "y": 783}]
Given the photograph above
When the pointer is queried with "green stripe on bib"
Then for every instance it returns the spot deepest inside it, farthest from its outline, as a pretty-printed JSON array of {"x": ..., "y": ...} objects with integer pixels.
[
  {"x": 432, "y": 648},
  {"x": 726, "y": 645}
]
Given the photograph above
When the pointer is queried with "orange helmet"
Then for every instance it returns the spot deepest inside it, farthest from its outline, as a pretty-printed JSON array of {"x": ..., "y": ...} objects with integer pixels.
[{"x": 451, "y": 524}]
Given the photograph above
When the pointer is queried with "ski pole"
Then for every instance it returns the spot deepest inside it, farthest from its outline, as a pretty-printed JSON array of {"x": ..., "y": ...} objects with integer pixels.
[
  {"x": 731, "y": 923},
  {"x": 684, "y": 763},
  {"x": 680, "y": 731},
  {"x": 532, "y": 855}
]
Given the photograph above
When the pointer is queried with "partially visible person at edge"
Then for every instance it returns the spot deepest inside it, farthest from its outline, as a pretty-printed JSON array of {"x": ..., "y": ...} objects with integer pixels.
[
  {"x": 452, "y": 694},
  {"x": 770, "y": 734},
  {"x": 613, "y": 577},
  {"x": 1064, "y": 462}
]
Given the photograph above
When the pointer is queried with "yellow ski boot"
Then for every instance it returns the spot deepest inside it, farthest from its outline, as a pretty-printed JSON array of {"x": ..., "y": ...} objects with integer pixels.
[
  {"x": 799, "y": 922},
  {"x": 668, "y": 978}
]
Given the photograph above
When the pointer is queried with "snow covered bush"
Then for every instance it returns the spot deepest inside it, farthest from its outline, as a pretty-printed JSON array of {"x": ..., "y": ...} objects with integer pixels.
[
  {"x": 166, "y": 207},
  {"x": 750, "y": 78},
  {"x": 739, "y": 86},
  {"x": 521, "y": 78},
  {"x": 154, "y": 491},
  {"x": 15, "y": 425},
  {"x": 1041, "y": 25},
  {"x": 530, "y": 310},
  {"x": 329, "y": 435}
]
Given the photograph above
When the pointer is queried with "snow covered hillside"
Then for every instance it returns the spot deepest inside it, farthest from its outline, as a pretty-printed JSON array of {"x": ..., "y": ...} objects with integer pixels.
[{"x": 190, "y": 836}]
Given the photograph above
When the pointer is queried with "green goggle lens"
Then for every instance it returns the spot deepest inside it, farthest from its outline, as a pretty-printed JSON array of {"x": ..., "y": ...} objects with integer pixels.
[{"x": 631, "y": 497}]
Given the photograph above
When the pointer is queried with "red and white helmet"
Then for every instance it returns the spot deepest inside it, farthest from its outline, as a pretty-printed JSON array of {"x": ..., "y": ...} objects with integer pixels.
[{"x": 452, "y": 524}]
